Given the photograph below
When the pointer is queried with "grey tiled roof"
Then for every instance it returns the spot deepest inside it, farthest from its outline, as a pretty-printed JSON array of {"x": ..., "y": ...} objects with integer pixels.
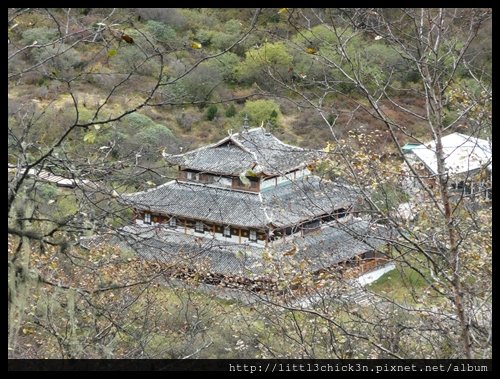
[
  {"x": 202, "y": 202},
  {"x": 203, "y": 253},
  {"x": 297, "y": 201},
  {"x": 254, "y": 149},
  {"x": 283, "y": 205},
  {"x": 228, "y": 159},
  {"x": 329, "y": 245},
  {"x": 337, "y": 242}
]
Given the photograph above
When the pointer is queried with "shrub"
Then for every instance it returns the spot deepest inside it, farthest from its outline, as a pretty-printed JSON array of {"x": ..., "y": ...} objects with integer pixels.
[
  {"x": 61, "y": 59},
  {"x": 137, "y": 120},
  {"x": 162, "y": 32},
  {"x": 154, "y": 134},
  {"x": 231, "y": 111},
  {"x": 131, "y": 57},
  {"x": 259, "y": 111},
  {"x": 169, "y": 16},
  {"x": 273, "y": 56},
  {"x": 211, "y": 112},
  {"x": 198, "y": 85},
  {"x": 225, "y": 65},
  {"x": 231, "y": 33},
  {"x": 42, "y": 35}
]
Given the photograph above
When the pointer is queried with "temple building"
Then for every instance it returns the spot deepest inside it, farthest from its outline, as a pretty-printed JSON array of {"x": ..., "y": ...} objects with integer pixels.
[
  {"x": 467, "y": 159},
  {"x": 249, "y": 194}
]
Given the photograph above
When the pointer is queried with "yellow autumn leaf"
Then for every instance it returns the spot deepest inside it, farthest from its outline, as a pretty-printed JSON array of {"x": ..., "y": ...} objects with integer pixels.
[
  {"x": 311, "y": 50},
  {"x": 311, "y": 167},
  {"x": 89, "y": 137},
  {"x": 195, "y": 45},
  {"x": 283, "y": 10}
]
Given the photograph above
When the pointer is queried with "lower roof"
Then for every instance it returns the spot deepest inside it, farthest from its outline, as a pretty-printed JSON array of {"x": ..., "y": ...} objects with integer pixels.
[{"x": 331, "y": 244}]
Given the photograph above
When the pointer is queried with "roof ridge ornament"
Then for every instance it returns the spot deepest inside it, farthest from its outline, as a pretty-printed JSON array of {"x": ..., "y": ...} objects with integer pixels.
[
  {"x": 245, "y": 123},
  {"x": 268, "y": 128}
]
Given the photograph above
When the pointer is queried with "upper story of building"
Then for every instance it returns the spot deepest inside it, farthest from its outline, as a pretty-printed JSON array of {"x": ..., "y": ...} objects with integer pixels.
[{"x": 251, "y": 160}]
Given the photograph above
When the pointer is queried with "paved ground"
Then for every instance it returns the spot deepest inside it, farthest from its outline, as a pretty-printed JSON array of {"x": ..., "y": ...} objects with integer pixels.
[{"x": 357, "y": 294}]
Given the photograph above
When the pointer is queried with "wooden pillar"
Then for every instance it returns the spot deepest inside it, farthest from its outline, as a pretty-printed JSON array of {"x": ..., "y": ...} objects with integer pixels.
[
  {"x": 358, "y": 259},
  {"x": 185, "y": 226},
  {"x": 239, "y": 235}
]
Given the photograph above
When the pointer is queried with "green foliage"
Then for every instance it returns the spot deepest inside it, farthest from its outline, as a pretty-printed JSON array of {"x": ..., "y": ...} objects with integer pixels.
[
  {"x": 41, "y": 35},
  {"x": 47, "y": 191},
  {"x": 378, "y": 61},
  {"x": 199, "y": 85},
  {"x": 138, "y": 131},
  {"x": 154, "y": 135},
  {"x": 274, "y": 56},
  {"x": 259, "y": 111},
  {"x": 318, "y": 36},
  {"x": 137, "y": 120},
  {"x": 162, "y": 32},
  {"x": 196, "y": 19},
  {"x": 134, "y": 57},
  {"x": 388, "y": 197},
  {"x": 169, "y": 16},
  {"x": 232, "y": 27},
  {"x": 67, "y": 204},
  {"x": 60, "y": 59},
  {"x": 204, "y": 37},
  {"x": 225, "y": 65},
  {"x": 399, "y": 283},
  {"x": 223, "y": 39},
  {"x": 231, "y": 111},
  {"x": 211, "y": 112}
]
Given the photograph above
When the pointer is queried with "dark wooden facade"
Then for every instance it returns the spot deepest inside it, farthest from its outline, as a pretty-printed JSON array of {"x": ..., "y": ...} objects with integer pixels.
[{"x": 208, "y": 178}]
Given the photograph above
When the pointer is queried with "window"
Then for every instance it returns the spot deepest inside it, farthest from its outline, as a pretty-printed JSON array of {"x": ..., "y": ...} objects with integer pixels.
[
  {"x": 253, "y": 235},
  {"x": 227, "y": 231},
  {"x": 310, "y": 226},
  {"x": 193, "y": 176},
  {"x": 368, "y": 255},
  {"x": 147, "y": 218},
  {"x": 173, "y": 222},
  {"x": 199, "y": 227},
  {"x": 341, "y": 212}
]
